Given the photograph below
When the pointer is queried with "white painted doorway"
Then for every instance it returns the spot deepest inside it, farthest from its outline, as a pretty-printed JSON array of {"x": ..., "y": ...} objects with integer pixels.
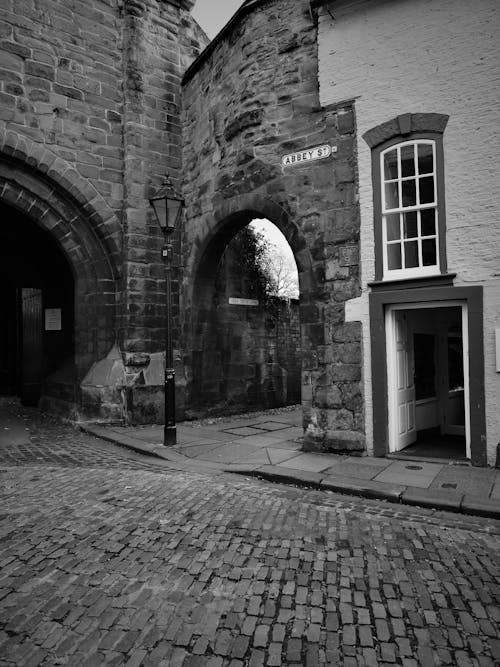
[{"x": 427, "y": 371}]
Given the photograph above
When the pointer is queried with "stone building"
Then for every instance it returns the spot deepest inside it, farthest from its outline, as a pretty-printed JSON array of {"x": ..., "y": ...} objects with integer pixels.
[
  {"x": 423, "y": 77},
  {"x": 89, "y": 122},
  {"x": 250, "y": 100},
  {"x": 365, "y": 131}
]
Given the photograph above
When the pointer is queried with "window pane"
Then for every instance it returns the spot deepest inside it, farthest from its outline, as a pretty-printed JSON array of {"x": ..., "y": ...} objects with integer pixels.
[
  {"x": 409, "y": 193},
  {"x": 408, "y": 160},
  {"x": 425, "y": 159},
  {"x": 391, "y": 165},
  {"x": 391, "y": 196},
  {"x": 428, "y": 222},
  {"x": 410, "y": 225},
  {"x": 426, "y": 188},
  {"x": 393, "y": 228},
  {"x": 429, "y": 252},
  {"x": 411, "y": 254},
  {"x": 394, "y": 256}
]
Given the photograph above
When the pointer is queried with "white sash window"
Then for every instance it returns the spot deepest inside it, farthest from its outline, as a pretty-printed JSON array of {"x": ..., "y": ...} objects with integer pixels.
[{"x": 409, "y": 198}]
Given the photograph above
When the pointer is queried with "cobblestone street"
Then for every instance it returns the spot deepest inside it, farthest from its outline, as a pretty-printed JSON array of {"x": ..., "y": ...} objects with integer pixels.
[{"x": 111, "y": 558}]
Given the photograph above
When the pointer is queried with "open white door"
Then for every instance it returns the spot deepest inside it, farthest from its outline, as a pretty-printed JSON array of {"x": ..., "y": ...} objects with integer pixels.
[{"x": 401, "y": 383}]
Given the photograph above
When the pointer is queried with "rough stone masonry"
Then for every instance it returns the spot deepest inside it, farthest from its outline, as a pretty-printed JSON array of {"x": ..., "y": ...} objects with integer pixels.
[{"x": 251, "y": 99}]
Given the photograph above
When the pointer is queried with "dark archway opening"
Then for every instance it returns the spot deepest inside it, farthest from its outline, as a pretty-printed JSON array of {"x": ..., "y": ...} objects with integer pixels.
[
  {"x": 247, "y": 339},
  {"x": 37, "y": 304}
]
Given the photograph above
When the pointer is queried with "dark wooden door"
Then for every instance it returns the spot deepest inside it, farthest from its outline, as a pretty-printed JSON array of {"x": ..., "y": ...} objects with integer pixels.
[{"x": 31, "y": 344}]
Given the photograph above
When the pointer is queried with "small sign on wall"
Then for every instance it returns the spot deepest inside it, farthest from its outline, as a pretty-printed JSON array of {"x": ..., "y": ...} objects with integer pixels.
[
  {"x": 309, "y": 155},
  {"x": 53, "y": 319},
  {"x": 235, "y": 301}
]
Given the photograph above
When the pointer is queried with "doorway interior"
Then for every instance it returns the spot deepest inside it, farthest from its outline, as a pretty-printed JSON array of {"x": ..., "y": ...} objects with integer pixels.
[
  {"x": 37, "y": 302},
  {"x": 428, "y": 383}
]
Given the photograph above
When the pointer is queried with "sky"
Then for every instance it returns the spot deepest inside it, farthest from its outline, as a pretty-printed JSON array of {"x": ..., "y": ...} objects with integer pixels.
[{"x": 213, "y": 15}]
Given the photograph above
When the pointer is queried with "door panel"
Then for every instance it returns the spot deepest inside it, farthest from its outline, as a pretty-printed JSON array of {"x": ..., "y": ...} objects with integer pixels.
[{"x": 405, "y": 390}]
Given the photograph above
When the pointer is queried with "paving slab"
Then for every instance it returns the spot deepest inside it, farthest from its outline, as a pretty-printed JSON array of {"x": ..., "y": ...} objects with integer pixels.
[
  {"x": 465, "y": 480},
  {"x": 287, "y": 444},
  {"x": 187, "y": 434},
  {"x": 272, "y": 425},
  {"x": 280, "y": 455},
  {"x": 416, "y": 474},
  {"x": 261, "y": 439},
  {"x": 231, "y": 453},
  {"x": 197, "y": 450},
  {"x": 357, "y": 469},
  {"x": 243, "y": 430},
  {"x": 309, "y": 462}
]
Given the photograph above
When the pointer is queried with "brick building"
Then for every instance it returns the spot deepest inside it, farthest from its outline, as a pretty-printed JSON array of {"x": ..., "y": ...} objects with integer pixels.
[{"x": 424, "y": 77}]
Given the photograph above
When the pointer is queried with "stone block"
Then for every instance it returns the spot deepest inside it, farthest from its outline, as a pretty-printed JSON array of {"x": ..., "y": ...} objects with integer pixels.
[
  {"x": 338, "y": 440},
  {"x": 39, "y": 70}
]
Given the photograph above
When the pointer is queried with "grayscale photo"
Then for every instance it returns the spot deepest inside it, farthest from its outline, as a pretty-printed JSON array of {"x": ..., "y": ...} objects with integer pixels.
[{"x": 249, "y": 333}]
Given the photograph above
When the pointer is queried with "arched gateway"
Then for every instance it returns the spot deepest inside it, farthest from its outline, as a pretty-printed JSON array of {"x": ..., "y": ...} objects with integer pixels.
[
  {"x": 59, "y": 274},
  {"x": 238, "y": 348},
  {"x": 257, "y": 143}
]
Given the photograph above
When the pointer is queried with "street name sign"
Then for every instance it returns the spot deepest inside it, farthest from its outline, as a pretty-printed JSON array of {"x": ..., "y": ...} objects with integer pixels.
[{"x": 309, "y": 155}]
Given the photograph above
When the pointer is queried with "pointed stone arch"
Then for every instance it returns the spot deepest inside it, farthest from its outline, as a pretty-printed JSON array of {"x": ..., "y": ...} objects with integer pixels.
[
  {"x": 51, "y": 193},
  {"x": 213, "y": 234}
]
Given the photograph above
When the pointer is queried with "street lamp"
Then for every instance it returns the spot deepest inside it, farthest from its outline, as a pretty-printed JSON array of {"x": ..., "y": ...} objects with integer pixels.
[{"x": 167, "y": 205}]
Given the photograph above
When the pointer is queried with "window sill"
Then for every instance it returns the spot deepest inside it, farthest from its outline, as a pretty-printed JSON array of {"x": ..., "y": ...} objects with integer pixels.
[{"x": 441, "y": 280}]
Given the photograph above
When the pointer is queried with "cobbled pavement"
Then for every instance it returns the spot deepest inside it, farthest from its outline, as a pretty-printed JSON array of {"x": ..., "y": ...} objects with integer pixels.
[{"x": 110, "y": 558}]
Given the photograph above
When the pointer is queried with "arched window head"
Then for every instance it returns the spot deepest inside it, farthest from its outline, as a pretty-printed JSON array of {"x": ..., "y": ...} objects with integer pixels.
[{"x": 408, "y": 186}]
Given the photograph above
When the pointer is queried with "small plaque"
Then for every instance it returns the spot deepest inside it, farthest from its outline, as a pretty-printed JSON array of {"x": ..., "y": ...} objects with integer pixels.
[
  {"x": 235, "y": 301},
  {"x": 349, "y": 256},
  {"x": 53, "y": 319}
]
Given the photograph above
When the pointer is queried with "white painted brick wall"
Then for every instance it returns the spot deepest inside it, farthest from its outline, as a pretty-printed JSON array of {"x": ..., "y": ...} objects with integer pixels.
[{"x": 400, "y": 56}]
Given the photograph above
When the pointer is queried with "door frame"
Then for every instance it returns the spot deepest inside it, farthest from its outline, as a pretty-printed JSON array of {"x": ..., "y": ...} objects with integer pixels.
[
  {"x": 390, "y": 327},
  {"x": 384, "y": 295}
]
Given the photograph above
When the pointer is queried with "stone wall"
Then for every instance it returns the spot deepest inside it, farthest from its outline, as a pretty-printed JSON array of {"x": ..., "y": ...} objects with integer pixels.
[
  {"x": 89, "y": 123},
  {"x": 251, "y": 99},
  {"x": 250, "y": 358}
]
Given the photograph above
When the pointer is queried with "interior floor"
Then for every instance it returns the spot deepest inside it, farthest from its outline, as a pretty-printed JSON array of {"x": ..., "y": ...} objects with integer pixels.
[{"x": 436, "y": 446}]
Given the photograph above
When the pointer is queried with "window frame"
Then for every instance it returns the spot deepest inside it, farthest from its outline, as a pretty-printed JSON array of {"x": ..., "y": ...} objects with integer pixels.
[{"x": 382, "y": 273}]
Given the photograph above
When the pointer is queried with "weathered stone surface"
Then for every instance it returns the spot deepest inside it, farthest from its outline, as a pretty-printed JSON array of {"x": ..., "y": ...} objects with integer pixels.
[
  {"x": 263, "y": 104},
  {"x": 90, "y": 112}
]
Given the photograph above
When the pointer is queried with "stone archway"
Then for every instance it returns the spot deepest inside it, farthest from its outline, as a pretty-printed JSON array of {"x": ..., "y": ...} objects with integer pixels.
[
  {"x": 49, "y": 192},
  {"x": 202, "y": 266}
]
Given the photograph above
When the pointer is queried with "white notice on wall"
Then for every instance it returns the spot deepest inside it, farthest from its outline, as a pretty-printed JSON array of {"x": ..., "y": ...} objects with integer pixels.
[
  {"x": 235, "y": 301},
  {"x": 53, "y": 319}
]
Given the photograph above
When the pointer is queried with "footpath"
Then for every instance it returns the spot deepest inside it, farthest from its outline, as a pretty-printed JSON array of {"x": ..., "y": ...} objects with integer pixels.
[{"x": 268, "y": 445}]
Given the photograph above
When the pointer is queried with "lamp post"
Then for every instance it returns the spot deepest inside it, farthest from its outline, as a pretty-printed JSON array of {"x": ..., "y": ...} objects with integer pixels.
[{"x": 167, "y": 205}]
